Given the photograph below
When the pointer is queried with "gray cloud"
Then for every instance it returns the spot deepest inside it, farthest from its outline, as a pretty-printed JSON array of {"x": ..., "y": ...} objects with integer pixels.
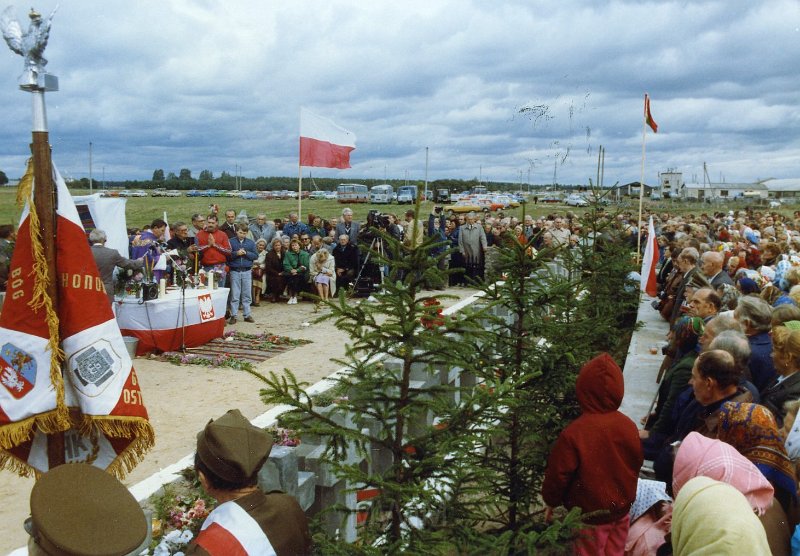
[{"x": 203, "y": 84}]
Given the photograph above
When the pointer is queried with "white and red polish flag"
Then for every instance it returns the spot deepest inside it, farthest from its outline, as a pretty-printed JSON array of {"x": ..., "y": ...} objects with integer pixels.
[
  {"x": 91, "y": 395},
  {"x": 323, "y": 143},
  {"x": 650, "y": 262}
]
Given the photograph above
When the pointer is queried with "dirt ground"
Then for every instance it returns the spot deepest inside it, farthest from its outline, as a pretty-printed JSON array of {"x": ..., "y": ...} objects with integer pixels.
[{"x": 181, "y": 399}]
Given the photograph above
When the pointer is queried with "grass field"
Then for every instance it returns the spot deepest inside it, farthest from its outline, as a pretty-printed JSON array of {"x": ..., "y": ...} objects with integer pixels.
[{"x": 142, "y": 210}]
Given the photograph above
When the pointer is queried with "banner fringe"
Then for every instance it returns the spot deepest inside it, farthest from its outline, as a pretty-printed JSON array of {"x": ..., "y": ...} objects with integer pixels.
[
  {"x": 39, "y": 298},
  {"x": 13, "y": 464},
  {"x": 138, "y": 429},
  {"x": 14, "y": 434}
]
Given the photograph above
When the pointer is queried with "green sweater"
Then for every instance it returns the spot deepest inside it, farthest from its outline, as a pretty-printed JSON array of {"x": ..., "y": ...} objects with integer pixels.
[{"x": 293, "y": 261}]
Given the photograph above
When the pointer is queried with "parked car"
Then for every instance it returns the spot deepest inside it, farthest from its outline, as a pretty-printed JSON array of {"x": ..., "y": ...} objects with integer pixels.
[
  {"x": 442, "y": 195},
  {"x": 194, "y": 193},
  {"x": 464, "y": 206},
  {"x": 172, "y": 193},
  {"x": 576, "y": 200},
  {"x": 158, "y": 192},
  {"x": 330, "y": 195}
]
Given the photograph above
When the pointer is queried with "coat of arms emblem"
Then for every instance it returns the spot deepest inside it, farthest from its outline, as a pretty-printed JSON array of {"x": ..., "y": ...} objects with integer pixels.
[
  {"x": 206, "y": 306},
  {"x": 17, "y": 370}
]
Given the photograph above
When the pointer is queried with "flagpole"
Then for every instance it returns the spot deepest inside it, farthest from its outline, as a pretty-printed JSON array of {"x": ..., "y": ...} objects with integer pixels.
[
  {"x": 641, "y": 186},
  {"x": 299, "y": 192}
]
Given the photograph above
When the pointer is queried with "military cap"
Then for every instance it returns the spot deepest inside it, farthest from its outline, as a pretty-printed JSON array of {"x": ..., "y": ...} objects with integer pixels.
[
  {"x": 232, "y": 448},
  {"x": 80, "y": 510}
]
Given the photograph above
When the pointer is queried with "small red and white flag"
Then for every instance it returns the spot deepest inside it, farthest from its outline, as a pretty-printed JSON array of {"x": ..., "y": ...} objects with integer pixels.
[
  {"x": 323, "y": 143},
  {"x": 91, "y": 395},
  {"x": 648, "y": 117},
  {"x": 650, "y": 262}
]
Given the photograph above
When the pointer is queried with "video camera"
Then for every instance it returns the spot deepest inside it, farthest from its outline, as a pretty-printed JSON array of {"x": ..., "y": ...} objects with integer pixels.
[{"x": 377, "y": 219}]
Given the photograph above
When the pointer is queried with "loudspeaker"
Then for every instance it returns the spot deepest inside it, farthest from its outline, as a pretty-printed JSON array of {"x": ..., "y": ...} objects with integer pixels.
[{"x": 149, "y": 291}]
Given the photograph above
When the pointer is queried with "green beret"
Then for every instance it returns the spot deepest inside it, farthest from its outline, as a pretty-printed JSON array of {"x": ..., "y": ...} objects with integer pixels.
[
  {"x": 232, "y": 448},
  {"x": 78, "y": 509}
]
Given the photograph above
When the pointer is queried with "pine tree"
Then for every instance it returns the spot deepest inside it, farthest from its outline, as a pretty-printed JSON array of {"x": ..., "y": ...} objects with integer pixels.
[
  {"x": 553, "y": 311},
  {"x": 392, "y": 402}
]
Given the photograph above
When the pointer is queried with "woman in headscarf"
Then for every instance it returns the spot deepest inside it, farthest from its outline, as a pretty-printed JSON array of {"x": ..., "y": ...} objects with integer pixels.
[
  {"x": 752, "y": 430},
  {"x": 651, "y": 516},
  {"x": 713, "y": 518},
  {"x": 685, "y": 335},
  {"x": 701, "y": 456}
]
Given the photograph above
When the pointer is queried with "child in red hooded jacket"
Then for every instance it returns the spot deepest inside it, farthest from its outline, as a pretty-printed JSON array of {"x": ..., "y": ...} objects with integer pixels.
[{"x": 594, "y": 464}]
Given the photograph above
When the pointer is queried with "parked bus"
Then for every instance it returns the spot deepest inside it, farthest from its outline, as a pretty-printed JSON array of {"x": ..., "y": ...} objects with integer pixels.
[
  {"x": 381, "y": 194},
  {"x": 352, "y": 193}
]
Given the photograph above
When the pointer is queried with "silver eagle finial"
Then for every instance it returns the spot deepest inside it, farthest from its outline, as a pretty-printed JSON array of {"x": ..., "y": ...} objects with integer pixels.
[{"x": 31, "y": 44}]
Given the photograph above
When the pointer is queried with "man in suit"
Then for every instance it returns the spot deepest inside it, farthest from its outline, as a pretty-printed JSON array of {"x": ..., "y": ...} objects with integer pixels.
[
  {"x": 693, "y": 280},
  {"x": 711, "y": 266},
  {"x": 348, "y": 227},
  {"x": 108, "y": 259}
]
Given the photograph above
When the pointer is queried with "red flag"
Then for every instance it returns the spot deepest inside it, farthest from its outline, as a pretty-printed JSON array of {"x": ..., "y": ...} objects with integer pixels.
[
  {"x": 323, "y": 143},
  {"x": 91, "y": 394},
  {"x": 650, "y": 262},
  {"x": 648, "y": 117}
]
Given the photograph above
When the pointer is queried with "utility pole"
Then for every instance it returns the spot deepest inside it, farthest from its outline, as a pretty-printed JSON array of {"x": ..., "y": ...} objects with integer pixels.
[
  {"x": 426, "y": 173},
  {"x": 90, "y": 167}
]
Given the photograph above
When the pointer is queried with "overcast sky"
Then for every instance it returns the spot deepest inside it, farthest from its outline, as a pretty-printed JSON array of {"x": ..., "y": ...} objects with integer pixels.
[{"x": 494, "y": 89}]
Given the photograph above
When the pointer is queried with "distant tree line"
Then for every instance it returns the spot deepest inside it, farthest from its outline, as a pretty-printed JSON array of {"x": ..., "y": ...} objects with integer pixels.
[{"x": 184, "y": 180}]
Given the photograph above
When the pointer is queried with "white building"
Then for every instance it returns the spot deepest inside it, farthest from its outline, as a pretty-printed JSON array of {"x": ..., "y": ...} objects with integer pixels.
[
  {"x": 723, "y": 191},
  {"x": 783, "y": 188},
  {"x": 670, "y": 183}
]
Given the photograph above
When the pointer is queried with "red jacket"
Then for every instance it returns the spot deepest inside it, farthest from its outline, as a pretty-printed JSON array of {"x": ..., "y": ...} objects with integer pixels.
[
  {"x": 594, "y": 464},
  {"x": 219, "y": 253}
]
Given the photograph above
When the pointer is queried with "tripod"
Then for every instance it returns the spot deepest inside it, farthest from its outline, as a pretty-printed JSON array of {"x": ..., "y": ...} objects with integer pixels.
[{"x": 377, "y": 246}]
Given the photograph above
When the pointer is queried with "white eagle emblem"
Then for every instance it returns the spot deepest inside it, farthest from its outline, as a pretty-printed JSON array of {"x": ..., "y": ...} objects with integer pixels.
[
  {"x": 206, "y": 306},
  {"x": 32, "y": 43}
]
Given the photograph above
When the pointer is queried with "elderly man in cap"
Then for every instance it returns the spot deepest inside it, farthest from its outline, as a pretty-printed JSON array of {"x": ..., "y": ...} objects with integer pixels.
[
  {"x": 78, "y": 509},
  {"x": 230, "y": 452}
]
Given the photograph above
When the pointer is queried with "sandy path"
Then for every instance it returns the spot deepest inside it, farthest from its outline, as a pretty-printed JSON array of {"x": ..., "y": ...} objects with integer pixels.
[{"x": 181, "y": 399}]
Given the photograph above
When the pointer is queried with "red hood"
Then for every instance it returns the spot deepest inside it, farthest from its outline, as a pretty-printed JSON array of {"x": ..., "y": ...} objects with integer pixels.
[{"x": 600, "y": 385}]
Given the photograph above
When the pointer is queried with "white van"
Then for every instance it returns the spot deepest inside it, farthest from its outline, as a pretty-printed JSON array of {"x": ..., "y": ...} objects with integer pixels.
[{"x": 381, "y": 194}]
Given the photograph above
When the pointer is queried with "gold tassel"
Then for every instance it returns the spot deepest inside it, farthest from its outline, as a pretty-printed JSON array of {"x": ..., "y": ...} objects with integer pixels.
[
  {"x": 39, "y": 298},
  {"x": 8, "y": 461}
]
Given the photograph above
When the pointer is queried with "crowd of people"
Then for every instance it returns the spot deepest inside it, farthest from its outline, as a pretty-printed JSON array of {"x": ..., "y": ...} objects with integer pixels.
[
  {"x": 279, "y": 260},
  {"x": 713, "y": 467}
]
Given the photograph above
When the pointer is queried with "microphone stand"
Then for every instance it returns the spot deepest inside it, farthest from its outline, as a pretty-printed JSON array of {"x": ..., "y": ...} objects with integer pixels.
[{"x": 182, "y": 310}]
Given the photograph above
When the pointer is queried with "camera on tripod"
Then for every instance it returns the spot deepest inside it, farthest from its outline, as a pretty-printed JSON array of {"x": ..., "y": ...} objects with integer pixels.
[{"x": 377, "y": 219}]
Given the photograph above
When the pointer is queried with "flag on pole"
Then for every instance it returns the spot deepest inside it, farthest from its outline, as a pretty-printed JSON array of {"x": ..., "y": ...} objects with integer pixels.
[
  {"x": 648, "y": 116},
  {"x": 64, "y": 369},
  {"x": 323, "y": 143},
  {"x": 650, "y": 262},
  {"x": 167, "y": 234}
]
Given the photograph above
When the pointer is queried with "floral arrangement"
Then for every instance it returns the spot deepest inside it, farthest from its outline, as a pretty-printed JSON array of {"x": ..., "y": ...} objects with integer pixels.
[
  {"x": 284, "y": 437},
  {"x": 221, "y": 360},
  {"x": 178, "y": 514},
  {"x": 263, "y": 342}
]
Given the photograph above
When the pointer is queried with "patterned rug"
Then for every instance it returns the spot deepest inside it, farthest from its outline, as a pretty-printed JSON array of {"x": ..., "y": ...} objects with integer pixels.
[{"x": 235, "y": 350}]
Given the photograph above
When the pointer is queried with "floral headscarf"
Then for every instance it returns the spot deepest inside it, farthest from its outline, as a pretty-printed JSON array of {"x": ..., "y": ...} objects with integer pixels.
[
  {"x": 752, "y": 430},
  {"x": 713, "y": 458},
  {"x": 686, "y": 332}
]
